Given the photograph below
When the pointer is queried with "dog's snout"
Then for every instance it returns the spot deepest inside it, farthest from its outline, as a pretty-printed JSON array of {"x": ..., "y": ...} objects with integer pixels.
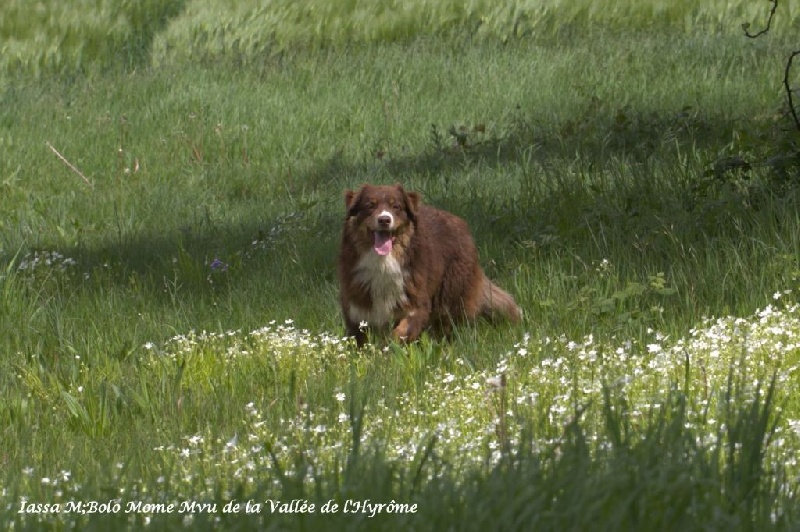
[{"x": 385, "y": 220}]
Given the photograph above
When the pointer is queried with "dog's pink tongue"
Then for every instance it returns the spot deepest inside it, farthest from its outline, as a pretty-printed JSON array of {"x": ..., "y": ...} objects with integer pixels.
[{"x": 383, "y": 243}]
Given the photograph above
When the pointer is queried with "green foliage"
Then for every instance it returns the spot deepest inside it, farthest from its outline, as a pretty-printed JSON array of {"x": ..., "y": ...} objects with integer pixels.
[{"x": 55, "y": 36}]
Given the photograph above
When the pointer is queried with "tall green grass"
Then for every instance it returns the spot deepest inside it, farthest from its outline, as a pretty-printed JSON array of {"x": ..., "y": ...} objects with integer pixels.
[{"x": 79, "y": 35}]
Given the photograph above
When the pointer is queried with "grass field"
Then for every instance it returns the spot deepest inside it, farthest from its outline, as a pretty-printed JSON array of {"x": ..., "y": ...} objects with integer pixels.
[{"x": 171, "y": 191}]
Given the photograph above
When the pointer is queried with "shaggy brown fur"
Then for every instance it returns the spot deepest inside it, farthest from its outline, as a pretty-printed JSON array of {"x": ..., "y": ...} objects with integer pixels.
[{"x": 408, "y": 266}]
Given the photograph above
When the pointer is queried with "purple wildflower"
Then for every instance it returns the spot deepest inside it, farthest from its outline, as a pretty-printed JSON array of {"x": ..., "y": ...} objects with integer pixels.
[{"x": 218, "y": 265}]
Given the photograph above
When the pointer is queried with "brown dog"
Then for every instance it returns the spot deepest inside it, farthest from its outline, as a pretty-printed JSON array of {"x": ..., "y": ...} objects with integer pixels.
[{"x": 410, "y": 266}]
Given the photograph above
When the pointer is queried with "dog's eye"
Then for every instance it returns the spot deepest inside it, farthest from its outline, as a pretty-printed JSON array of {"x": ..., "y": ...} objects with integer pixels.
[
  {"x": 396, "y": 207},
  {"x": 370, "y": 204}
]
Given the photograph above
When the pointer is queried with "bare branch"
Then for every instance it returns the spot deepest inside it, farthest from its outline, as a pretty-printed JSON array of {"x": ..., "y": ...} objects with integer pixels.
[
  {"x": 746, "y": 25},
  {"x": 69, "y": 165},
  {"x": 786, "y": 85},
  {"x": 788, "y": 88}
]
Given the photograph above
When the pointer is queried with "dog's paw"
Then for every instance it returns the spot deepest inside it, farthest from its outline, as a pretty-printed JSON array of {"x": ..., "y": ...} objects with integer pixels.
[{"x": 405, "y": 331}]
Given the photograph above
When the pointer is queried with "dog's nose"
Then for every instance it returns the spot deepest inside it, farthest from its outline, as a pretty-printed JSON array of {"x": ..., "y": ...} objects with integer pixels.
[{"x": 384, "y": 220}]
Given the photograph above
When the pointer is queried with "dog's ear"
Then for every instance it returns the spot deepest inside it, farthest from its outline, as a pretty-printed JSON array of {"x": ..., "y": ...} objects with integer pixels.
[
  {"x": 351, "y": 201},
  {"x": 412, "y": 201}
]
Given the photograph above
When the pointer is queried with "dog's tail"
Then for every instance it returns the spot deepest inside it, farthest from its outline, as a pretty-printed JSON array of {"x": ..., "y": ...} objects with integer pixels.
[{"x": 497, "y": 302}]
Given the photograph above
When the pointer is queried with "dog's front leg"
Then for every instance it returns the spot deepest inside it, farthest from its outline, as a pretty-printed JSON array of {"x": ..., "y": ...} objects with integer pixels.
[
  {"x": 356, "y": 331},
  {"x": 411, "y": 325}
]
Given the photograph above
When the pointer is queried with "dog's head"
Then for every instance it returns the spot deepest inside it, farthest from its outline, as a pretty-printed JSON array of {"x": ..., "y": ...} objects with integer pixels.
[{"x": 381, "y": 213}]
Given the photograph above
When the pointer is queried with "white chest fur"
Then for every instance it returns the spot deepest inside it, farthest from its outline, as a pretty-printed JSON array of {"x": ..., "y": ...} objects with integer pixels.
[{"x": 383, "y": 277}]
